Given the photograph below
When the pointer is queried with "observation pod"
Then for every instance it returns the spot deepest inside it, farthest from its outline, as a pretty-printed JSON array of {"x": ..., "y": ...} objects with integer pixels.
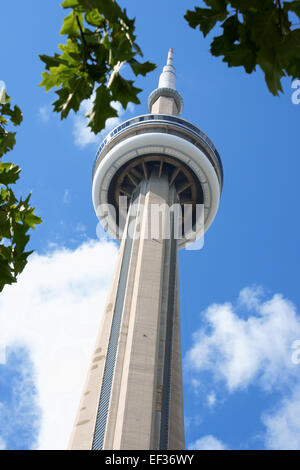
[
  {"x": 174, "y": 147},
  {"x": 133, "y": 398}
]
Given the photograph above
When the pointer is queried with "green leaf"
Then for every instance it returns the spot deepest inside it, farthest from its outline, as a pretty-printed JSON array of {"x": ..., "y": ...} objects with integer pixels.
[
  {"x": 101, "y": 110},
  {"x": 49, "y": 80},
  {"x": 273, "y": 73},
  {"x": 96, "y": 72},
  {"x": 7, "y": 141},
  {"x": 7, "y": 196},
  {"x": 6, "y": 276},
  {"x": 9, "y": 173},
  {"x": 205, "y": 18},
  {"x": 264, "y": 28},
  {"x": 231, "y": 29},
  {"x": 70, "y": 24},
  {"x": 243, "y": 56},
  {"x": 20, "y": 260},
  {"x": 20, "y": 237},
  {"x": 109, "y": 8},
  {"x": 124, "y": 91},
  {"x": 52, "y": 61},
  {"x": 251, "y": 5},
  {"x": 70, "y": 98},
  {"x": 94, "y": 18},
  {"x": 70, "y": 3},
  {"x": 141, "y": 68},
  {"x": 6, "y": 252},
  {"x": 15, "y": 114},
  {"x": 289, "y": 54},
  {"x": 31, "y": 219},
  {"x": 217, "y": 5},
  {"x": 292, "y": 6}
]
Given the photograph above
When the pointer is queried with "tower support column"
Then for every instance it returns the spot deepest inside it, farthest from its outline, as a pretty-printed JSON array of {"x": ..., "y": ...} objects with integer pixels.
[{"x": 138, "y": 403}]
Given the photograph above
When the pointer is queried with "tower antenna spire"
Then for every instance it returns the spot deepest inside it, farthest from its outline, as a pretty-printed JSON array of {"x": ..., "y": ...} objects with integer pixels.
[
  {"x": 166, "y": 99},
  {"x": 167, "y": 78}
]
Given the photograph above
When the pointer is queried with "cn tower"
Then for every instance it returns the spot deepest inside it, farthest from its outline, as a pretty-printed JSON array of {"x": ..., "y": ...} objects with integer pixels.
[{"x": 132, "y": 398}]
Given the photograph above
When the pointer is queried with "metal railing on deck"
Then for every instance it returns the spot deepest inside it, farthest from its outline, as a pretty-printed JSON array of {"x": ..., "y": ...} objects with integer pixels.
[{"x": 159, "y": 118}]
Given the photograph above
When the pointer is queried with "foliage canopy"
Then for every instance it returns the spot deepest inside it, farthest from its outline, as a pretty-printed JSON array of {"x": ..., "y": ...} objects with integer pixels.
[
  {"x": 16, "y": 215},
  {"x": 100, "y": 40},
  {"x": 255, "y": 33}
]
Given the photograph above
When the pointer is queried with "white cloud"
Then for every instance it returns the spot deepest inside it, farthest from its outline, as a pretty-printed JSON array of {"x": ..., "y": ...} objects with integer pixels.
[
  {"x": 208, "y": 442},
  {"x": 211, "y": 399},
  {"x": 54, "y": 311},
  {"x": 240, "y": 350},
  {"x": 44, "y": 113},
  {"x": 83, "y": 134},
  {"x": 193, "y": 421},
  {"x": 19, "y": 410},
  {"x": 283, "y": 424},
  {"x": 67, "y": 196},
  {"x": 130, "y": 107},
  {"x": 80, "y": 227},
  {"x": 254, "y": 349},
  {"x": 250, "y": 297},
  {"x": 196, "y": 384}
]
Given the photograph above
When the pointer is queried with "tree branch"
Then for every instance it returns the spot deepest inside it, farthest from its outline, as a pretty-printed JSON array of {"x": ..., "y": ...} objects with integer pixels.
[{"x": 83, "y": 42}]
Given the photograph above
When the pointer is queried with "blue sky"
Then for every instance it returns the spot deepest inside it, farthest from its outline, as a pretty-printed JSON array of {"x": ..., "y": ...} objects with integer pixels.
[{"x": 239, "y": 295}]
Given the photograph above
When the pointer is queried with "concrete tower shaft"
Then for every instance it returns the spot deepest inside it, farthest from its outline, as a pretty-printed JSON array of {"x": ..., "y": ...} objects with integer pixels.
[{"x": 133, "y": 395}]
